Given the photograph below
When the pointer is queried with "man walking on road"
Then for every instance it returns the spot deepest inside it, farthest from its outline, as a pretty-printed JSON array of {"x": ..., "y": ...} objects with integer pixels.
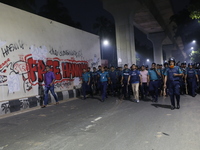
[
  {"x": 173, "y": 75},
  {"x": 49, "y": 79}
]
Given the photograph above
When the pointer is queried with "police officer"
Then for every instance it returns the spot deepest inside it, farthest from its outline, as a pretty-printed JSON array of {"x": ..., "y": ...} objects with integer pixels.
[
  {"x": 104, "y": 79},
  {"x": 95, "y": 80},
  {"x": 163, "y": 77},
  {"x": 85, "y": 82},
  {"x": 113, "y": 78},
  {"x": 198, "y": 73},
  {"x": 173, "y": 75},
  {"x": 153, "y": 77},
  {"x": 182, "y": 79},
  {"x": 192, "y": 78},
  {"x": 91, "y": 82},
  {"x": 124, "y": 82}
]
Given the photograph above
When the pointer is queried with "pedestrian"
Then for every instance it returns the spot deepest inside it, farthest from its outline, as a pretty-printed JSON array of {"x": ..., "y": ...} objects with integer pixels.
[
  {"x": 191, "y": 79},
  {"x": 85, "y": 83},
  {"x": 124, "y": 82},
  {"x": 134, "y": 80},
  {"x": 49, "y": 79},
  {"x": 104, "y": 79},
  {"x": 172, "y": 76},
  {"x": 144, "y": 87},
  {"x": 153, "y": 77}
]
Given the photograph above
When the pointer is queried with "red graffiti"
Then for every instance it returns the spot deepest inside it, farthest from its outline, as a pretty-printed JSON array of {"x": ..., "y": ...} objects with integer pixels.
[
  {"x": 4, "y": 63},
  {"x": 20, "y": 67},
  {"x": 70, "y": 69}
]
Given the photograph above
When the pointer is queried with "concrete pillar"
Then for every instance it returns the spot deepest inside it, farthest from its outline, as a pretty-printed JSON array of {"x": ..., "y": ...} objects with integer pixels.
[
  {"x": 157, "y": 39},
  {"x": 125, "y": 41},
  {"x": 168, "y": 50},
  {"x": 123, "y": 12}
]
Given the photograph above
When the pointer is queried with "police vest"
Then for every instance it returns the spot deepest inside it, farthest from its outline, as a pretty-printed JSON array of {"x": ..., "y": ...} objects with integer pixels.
[
  {"x": 191, "y": 73},
  {"x": 171, "y": 72}
]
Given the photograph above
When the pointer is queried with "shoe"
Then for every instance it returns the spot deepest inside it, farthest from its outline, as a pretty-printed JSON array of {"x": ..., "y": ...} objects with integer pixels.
[
  {"x": 102, "y": 100},
  {"x": 172, "y": 107},
  {"x": 178, "y": 107},
  {"x": 43, "y": 106},
  {"x": 137, "y": 101},
  {"x": 57, "y": 103}
]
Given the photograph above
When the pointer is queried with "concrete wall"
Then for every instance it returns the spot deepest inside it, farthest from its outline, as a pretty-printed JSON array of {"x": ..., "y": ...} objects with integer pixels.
[{"x": 28, "y": 42}]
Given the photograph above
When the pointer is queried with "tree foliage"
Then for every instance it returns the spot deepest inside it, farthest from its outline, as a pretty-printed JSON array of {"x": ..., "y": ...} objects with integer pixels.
[
  {"x": 194, "y": 10},
  {"x": 195, "y": 56}
]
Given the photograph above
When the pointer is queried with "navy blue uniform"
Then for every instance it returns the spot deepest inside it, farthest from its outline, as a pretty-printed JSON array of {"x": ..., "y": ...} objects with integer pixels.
[
  {"x": 95, "y": 81},
  {"x": 126, "y": 88},
  {"x": 85, "y": 80},
  {"x": 173, "y": 84},
  {"x": 104, "y": 83},
  {"x": 191, "y": 80},
  {"x": 113, "y": 78},
  {"x": 153, "y": 84}
]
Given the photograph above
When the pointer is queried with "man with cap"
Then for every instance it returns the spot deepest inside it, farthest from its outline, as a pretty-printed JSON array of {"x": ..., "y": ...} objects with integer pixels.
[
  {"x": 153, "y": 83},
  {"x": 172, "y": 76},
  {"x": 182, "y": 79},
  {"x": 163, "y": 77},
  {"x": 191, "y": 78}
]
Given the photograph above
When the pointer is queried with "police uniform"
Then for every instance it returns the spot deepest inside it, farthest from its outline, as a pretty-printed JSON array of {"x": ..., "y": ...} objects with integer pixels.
[
  {"x": 103, "y": 78},
  {"x": 126, "y": 88},
  {"x": 174, "y": 84},
  {"x": 95, "y": 81},
  {"x": 113, "y": 78},
  {"x": 191, "y": 80},
  {"x": 153, "y": 84},
  {"x": 85, "y": 86}
]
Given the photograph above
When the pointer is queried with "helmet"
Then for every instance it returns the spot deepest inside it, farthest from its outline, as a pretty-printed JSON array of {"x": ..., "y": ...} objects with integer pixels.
[
  {"x": 172, "y": 59},
  {"x": 190, "y": 64},
  {"x": 166, "y": 63}
]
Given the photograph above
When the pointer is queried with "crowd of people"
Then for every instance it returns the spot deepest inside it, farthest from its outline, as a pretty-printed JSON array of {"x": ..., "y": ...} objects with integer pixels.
[{"x": 169, "y": 79}]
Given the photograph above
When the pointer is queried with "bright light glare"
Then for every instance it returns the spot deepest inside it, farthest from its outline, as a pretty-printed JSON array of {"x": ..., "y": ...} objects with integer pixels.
[
  {"x": 192, "y": 47},
  {"x": 147, "y": 60},
  {"x": 105, "y": 42},
  {"x": 193, "y": 41}
]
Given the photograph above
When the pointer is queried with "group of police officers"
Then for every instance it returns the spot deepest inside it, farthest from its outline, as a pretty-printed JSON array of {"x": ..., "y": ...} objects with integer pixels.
[{"x": 172, "y": 80}]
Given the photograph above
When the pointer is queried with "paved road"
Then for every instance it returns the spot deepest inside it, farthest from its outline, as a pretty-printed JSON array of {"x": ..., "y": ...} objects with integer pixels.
[{"x": 112, "y": 125}]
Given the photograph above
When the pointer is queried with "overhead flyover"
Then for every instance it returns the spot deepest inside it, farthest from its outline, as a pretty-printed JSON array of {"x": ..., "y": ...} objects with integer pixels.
[{"x": 152, "y": 18}]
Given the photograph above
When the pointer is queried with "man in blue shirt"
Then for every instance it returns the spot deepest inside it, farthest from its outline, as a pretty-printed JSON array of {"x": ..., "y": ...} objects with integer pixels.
[
  {"x": 153, "y": 77},
  {"x": 124, "y": 81},
  {"x": 91, "y": 82},
  {"x": 192, "y": 78},
  {"x": 134, "y": 79},
  {"x": 85, "y": 82},
  {"x": 173, "y": 75},
  {"x": 103, "y": 78}
]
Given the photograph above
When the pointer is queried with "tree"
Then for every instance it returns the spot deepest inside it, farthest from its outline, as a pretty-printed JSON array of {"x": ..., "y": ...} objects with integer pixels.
[
  {"x": 195, "y": 56},
  {"x": 55, "y": 10},
  {"x": 194, "y": 10}
]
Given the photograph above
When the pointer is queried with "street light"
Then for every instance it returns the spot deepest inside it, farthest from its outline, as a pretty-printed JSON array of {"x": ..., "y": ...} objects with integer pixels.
[
  {"x": 192, "y": 48},
  {"x": 193, "y": 41},
  {"x": 148, "y": 60},
  {"x": 105, "y": 42}
]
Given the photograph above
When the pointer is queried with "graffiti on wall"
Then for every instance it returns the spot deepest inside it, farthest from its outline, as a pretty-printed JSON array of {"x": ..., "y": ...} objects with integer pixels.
[{"x": 28, "y": 70}]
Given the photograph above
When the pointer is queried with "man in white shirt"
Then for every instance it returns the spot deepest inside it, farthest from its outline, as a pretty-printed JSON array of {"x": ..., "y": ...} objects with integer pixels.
[{"x": 144, "y": 87}]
